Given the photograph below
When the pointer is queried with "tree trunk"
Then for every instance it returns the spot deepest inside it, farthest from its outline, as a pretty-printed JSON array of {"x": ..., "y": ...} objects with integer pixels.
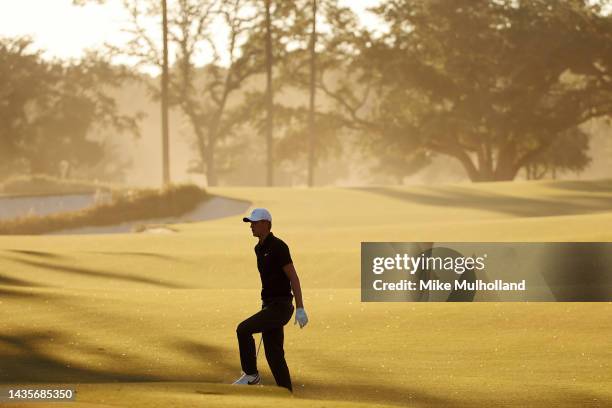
[
  {"x": 505, "y": 169},
  {"x": 164, "y": 100},
  {"x": 507, "y": 165},
  {"x": 211, "y": 172},
  {"x": 463, "y": 158},
  {"x": 311, "y": 113},
  {"x": 269, "y": 100}
]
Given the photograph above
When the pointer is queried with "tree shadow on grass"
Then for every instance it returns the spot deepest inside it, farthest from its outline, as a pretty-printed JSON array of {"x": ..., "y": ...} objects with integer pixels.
[
  {"x": 143, "y": 254},
  {"x": 218, "y": 369},
  {"x": 51, "y": 255},
  {"x": 8, "y": 292},
  {"x": 39, "y": 254},
  {"x": 213, "y": 360},
  {"x": 10, "y": 281},
  {"x": 22, "y": 360},
  {"x": 95, "y": 273},
  {"x": 518, "y": 206},
  {"x": 581, "y": 399},
  {"x": 382, "y": 394},
  {"x": 357, "y": 389},
  {"x": 405, "y": 396},
  {"x": 591, "y": 186}
]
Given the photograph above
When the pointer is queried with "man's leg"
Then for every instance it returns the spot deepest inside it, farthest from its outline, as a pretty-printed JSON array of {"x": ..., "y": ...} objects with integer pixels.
[
  {"x": 246, "y": 344},
  {"x": 265, "y": 319},
  {"x": 275, "y": 354}
]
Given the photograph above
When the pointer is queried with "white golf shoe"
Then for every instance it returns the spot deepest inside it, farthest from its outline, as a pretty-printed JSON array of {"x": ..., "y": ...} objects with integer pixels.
[{"x": 247, "y": 379}]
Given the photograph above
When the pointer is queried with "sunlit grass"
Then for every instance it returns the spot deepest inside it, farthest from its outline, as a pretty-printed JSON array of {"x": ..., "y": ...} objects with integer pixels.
[{"x": 145, "y": 310}]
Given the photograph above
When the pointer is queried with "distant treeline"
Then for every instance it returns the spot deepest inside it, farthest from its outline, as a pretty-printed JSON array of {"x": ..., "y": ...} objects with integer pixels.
[
  {"x": 499, "y": 86},
  {"x": 48, "y": 108}
]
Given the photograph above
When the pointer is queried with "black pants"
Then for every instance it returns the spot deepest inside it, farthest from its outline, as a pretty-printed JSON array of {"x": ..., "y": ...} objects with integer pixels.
[{"x": 269, "y": 321}]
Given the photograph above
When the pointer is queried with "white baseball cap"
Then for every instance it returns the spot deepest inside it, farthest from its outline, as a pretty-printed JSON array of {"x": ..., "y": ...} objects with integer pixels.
[{"x": 258, "y": 214}]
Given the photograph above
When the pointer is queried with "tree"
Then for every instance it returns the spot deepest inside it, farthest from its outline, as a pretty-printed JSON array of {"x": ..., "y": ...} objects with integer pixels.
[
  {"x": 308, "y": 130},
  {"x": 269, "y": 97},
  {"x": 567, "y": 153},
  {"x": 49, "y": 108},
  {"x": 164, "y": 98},
  {"x": 203, "y": 94},
  {"x": 161, "y": 8},
  {"x": 313, "y": 90},
  {"x": 493, "y": 84},
  {"x": 271, "y": 38}
]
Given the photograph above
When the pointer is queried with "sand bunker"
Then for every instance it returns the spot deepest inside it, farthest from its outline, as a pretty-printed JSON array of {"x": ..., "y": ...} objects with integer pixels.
[
  {"x": 213, "y": 208},
  {"x": 18, "y": 206}
]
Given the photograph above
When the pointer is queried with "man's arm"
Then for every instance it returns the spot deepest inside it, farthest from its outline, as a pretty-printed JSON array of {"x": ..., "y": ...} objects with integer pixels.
[{"x": 289, "y": 270}]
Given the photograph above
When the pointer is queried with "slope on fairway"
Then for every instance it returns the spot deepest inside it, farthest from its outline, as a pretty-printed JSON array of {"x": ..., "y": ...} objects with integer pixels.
[{"x": 139, "y": 318}]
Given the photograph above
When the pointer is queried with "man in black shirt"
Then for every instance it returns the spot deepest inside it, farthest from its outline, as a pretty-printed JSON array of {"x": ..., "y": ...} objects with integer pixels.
[{"x": 278, "y": 280}]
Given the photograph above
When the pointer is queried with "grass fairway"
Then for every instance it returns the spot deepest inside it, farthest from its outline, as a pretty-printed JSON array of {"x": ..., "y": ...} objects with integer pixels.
[{"x": 144, "y": 320}]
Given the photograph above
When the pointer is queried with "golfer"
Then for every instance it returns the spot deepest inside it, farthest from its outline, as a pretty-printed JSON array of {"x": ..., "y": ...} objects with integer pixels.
[{"x": 278, "y": 279}]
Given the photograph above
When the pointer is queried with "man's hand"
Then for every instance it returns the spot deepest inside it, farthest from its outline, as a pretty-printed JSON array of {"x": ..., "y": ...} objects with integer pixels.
[{"x": 300, "y": 317}]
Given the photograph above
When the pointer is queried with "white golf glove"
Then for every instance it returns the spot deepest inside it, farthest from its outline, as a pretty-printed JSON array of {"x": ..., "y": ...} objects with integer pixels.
[{"x": 300, "y": 317}]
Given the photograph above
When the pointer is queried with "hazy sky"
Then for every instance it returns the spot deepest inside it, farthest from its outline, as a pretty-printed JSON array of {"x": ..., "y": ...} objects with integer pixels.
[{"x": 65, "y": 30}]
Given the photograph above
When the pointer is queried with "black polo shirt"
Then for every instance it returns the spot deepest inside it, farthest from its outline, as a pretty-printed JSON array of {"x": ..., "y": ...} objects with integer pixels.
[{"x": 272, "y": 255}]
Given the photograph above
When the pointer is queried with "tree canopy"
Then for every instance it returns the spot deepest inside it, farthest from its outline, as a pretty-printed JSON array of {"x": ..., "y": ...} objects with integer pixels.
[
  {"x": 493, "y": 84},
  {"x": 49, "y": 108}
]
